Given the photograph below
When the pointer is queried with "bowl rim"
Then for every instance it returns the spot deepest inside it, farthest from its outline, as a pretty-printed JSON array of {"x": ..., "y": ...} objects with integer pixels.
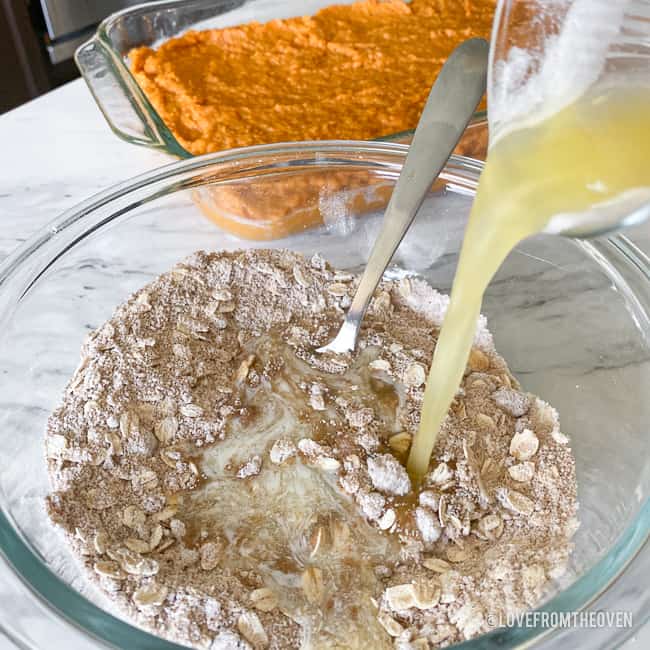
[{"x": 77, "y": 222}]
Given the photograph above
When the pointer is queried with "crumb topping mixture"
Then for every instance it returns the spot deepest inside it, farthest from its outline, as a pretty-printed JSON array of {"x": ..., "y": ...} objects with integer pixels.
[{"x": 228, "y": 488}]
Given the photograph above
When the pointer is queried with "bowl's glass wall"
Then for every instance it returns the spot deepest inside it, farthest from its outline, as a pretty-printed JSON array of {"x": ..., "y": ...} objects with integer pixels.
[{"x": 570, "y": 318}]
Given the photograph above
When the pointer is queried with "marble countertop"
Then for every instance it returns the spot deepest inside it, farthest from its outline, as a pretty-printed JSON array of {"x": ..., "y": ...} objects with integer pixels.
[{"x": 56, "y": 151}]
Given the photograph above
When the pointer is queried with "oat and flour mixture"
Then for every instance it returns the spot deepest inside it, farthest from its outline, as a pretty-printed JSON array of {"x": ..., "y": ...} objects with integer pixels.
[{"x": 230, "y": 489}]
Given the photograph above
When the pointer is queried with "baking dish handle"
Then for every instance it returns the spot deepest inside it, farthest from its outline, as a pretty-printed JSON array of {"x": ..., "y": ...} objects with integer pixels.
[{"x": 121, "y": 101}]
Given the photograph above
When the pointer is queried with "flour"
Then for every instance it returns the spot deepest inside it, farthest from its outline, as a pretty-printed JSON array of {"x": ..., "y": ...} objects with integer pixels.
[
  {"x": 227, "y": 487},
  {"x": 387, "y": 475}
]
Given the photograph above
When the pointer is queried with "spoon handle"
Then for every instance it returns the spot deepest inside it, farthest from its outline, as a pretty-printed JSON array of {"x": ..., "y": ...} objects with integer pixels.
[{"x": 450, "y": 106}]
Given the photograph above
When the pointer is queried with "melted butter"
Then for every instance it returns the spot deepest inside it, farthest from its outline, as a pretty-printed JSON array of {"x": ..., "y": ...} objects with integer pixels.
[
  {"x": 578, "y": 171},
  {"x": 293, "y": 516}
]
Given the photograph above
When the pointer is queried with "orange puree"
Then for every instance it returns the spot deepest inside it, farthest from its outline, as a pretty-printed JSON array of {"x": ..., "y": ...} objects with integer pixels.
[{"x": 355, "y": 71}]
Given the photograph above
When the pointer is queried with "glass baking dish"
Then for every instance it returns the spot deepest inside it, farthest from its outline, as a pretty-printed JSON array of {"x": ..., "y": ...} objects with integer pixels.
[
  {"x": 269, "y": 210},
  {"x": 103, "y": 61}
]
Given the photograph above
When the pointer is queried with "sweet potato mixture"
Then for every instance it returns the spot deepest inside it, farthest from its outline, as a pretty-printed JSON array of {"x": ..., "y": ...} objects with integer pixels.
[{"x": 355, "y": 71}]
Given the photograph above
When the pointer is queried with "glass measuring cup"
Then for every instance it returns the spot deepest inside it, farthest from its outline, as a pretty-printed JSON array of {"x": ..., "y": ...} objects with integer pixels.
[{"x": 550, "y": 54}]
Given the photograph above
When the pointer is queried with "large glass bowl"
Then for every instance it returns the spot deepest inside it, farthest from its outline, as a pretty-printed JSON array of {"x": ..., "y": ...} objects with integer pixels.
[{"x": 572, "y": 319}]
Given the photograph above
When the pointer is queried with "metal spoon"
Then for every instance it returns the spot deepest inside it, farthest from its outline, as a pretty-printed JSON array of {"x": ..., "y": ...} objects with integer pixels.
[{"x": 451, "y": 103}]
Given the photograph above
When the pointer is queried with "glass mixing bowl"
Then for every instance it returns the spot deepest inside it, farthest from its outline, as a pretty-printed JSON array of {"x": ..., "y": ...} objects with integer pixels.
[{"x": 572, "y": 319}]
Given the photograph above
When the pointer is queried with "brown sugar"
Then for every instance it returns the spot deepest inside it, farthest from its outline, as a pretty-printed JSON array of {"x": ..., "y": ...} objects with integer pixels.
[{"x": 357, "y": 71}]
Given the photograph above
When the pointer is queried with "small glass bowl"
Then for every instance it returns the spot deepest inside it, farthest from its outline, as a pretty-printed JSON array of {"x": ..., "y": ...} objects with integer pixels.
[{"x": 572, "y": 319}]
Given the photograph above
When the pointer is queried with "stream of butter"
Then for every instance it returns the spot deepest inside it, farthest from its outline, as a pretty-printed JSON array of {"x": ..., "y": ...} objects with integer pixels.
[{"x": 575, "y": 172}]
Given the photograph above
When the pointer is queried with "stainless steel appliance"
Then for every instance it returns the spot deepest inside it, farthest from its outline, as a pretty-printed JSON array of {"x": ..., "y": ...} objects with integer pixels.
[
  {"x": 70, "y": 22},
  {"x": 38, "y": 39}
]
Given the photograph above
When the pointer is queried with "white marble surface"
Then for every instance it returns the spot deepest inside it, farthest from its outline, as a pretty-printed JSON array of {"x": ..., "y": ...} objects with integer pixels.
[{"x": 57, "y": 151}]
